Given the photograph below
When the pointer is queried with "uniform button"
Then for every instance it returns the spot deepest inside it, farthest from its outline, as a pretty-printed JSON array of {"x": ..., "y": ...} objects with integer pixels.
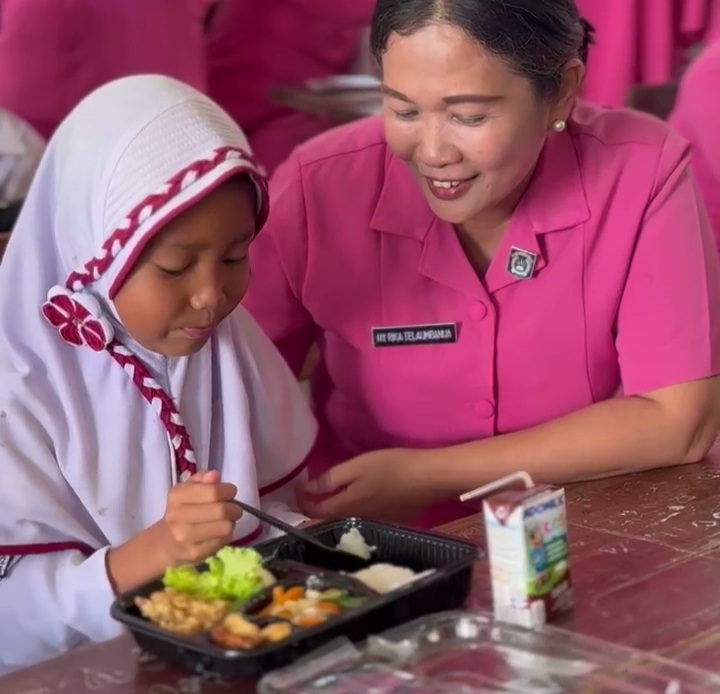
[
  {"x": 478, "y": 310},
  {"x": 484, "y": 409}
]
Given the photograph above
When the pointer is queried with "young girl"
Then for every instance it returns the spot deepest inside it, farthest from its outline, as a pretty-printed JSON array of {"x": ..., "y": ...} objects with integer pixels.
[{"x": 137, "y": 400}]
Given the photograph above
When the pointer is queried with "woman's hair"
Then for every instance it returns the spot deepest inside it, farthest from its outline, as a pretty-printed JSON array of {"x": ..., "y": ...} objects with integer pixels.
[{"x": 535, "y": 37}]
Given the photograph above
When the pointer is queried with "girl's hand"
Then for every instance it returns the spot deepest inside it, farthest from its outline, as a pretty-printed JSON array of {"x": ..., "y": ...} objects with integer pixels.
[{"x": 199, "y": 518}]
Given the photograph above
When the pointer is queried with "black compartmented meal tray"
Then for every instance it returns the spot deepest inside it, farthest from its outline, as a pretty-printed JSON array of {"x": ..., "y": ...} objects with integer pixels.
[{"x": 445, "y": 588}]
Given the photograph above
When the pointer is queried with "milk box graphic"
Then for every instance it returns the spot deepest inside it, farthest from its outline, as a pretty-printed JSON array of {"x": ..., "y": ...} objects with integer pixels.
[{"x": 528, "y": 554}]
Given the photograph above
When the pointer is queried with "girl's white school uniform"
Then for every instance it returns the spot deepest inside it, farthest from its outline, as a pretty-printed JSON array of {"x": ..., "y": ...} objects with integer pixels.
[{"x": 85, "y": 459}]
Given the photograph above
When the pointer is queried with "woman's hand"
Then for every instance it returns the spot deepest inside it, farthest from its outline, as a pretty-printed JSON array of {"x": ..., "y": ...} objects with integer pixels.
[{"x": 390, "y": 484}]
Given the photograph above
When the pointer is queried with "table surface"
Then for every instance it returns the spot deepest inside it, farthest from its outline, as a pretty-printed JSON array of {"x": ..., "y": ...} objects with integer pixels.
[{"x": 645, "y": 562}]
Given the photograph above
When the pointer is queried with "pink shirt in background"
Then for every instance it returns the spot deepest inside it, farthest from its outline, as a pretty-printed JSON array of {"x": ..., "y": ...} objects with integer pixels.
[
  {"x": 640, "y": 42},
  {"x": 53, "y": 53},
  {"x": 696, "y": 116},
  {"x": 625, "y": 292},
  {"x": 255, "y": 45}
]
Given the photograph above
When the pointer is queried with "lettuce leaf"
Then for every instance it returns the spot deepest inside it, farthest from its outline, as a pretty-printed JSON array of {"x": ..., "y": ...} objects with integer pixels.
[{"x": 233, "y": 573}]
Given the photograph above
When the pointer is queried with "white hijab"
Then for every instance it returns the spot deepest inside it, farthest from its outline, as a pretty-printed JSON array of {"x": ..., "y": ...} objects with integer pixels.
[{"x": 84, "y": 456}]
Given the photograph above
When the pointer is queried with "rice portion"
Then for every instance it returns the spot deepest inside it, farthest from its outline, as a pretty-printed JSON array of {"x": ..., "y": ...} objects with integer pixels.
[
  {"x": 384, "y": 578},
  {"x": 353, "y": 542}
]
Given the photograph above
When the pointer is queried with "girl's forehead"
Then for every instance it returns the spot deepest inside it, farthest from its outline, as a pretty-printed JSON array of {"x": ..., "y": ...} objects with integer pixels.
[{"x": 225, "y": 215}]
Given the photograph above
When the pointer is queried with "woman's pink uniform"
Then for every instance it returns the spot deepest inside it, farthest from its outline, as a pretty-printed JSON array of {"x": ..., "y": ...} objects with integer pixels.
[
  {"x": 605, "y": 281},
  {"x": 696, "y": 117}
]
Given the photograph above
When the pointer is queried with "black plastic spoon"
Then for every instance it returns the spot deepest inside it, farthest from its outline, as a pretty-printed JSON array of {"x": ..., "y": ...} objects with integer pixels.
[{"x": 315, "y": 552}]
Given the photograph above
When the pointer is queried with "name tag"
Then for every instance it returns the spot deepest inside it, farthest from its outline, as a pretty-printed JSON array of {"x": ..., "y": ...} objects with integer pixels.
[{"x": 404, "y": 335}]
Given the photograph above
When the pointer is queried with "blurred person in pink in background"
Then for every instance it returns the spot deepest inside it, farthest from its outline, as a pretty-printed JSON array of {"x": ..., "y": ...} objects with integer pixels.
[
  {"x": 53, "y": 53},
  {"x": 641, "y": 42},
  {"x": 696, "y": 116},
  {"x": 254, "y": 46}
]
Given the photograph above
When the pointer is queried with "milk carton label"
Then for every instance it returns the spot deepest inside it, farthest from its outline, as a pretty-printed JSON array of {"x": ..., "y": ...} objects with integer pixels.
[{"x": 528, "y": 554}]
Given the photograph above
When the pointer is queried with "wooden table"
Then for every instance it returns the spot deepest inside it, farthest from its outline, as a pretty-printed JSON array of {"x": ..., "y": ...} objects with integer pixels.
[{"x": 645, "y": 557}]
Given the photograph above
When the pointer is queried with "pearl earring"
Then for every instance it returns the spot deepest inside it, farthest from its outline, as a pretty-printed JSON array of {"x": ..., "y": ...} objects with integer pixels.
[{"x": 559, "y": 125}]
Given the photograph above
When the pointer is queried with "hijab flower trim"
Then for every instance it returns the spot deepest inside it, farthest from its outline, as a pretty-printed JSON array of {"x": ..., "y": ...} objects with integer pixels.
[{"x": 78, "y": 318}]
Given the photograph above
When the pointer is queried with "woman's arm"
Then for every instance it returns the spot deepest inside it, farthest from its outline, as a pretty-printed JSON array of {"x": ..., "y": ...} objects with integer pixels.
[
  {"x": 671, "y": 426},
  {"x": 667, "y": 427}
]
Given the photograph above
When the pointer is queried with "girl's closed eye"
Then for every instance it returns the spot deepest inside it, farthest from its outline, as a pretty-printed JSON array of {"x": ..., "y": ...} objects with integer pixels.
[{"x": 172, "y": 271}]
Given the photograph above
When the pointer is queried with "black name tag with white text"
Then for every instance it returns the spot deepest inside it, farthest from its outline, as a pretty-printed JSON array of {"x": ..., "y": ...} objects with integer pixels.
[{"x": 408, "y": 335}]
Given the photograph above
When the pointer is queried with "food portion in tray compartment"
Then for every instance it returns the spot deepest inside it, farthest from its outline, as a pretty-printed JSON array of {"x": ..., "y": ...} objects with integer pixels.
[
  {"x": 291, "y": 608},
  {"x": 384, "y": 578},
  {"x": 181, "y": 613},
  {"x": 353, "y": 542},
  {"x": 380, "y": 577},
  {"x": 237, "y": 633},
  {"x": 193, "y": 601},
  {"x": 307, "y": 607}
]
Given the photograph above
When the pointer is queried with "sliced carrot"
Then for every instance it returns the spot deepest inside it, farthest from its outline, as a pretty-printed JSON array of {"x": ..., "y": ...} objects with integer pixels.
[
  {"x": 294, "y": 593},
  {"x": 329, "y": 607},
  {"x": 278, "y": 595},
  {"x": 305, "y": 621}
]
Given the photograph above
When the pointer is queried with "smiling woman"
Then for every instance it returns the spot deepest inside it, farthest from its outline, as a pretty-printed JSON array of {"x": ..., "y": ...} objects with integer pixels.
[{"x": 553, "y": 257}]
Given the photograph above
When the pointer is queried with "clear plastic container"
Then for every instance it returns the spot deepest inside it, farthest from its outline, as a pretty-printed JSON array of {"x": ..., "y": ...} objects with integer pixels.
[{"x": 468, "y": 653}]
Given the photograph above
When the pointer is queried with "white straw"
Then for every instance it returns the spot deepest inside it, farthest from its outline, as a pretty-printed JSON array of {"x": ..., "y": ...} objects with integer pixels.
[{"x": 499, "y": 484}]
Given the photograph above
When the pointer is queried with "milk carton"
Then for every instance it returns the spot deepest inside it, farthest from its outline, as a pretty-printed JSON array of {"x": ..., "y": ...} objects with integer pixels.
[
  {"x": 528, "y": 554},
  {"x": 526, "y": 528}
]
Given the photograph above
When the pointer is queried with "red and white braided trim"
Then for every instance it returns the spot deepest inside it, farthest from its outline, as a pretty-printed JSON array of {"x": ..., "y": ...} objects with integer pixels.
[{"x": 116, "y": 241}]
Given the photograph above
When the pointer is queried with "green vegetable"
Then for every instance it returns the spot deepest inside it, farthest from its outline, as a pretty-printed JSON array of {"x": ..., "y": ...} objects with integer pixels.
[
  {"x": 348, "y": 602},
  {"x": 332, "y": 594},
  {"x": 341, "y": 598},
  {"x": 232, "y": 574}
]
